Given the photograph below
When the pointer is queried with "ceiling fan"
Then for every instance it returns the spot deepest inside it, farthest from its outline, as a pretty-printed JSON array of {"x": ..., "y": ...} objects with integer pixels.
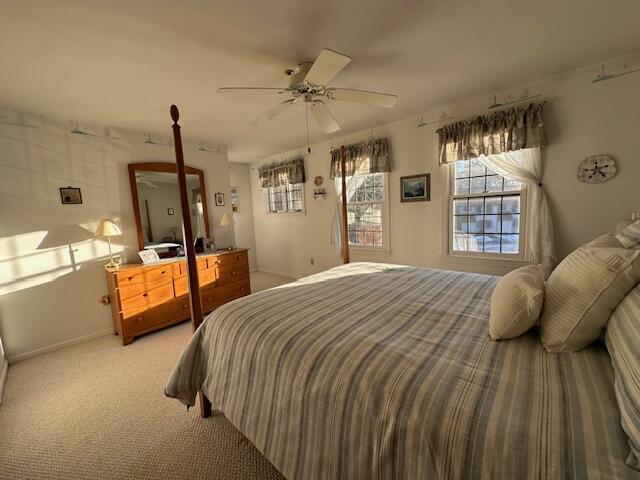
[
  {"x": 308, "y": 83},
  {"x": 145, "y": 182}
]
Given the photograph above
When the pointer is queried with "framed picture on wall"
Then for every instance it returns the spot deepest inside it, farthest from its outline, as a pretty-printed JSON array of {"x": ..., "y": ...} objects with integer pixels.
[
  {"x": 415, "y": 188},
  {"x": 234, "y": 199},
  {"x": 70, "y": 196},
  {"x": 219, "y": 199}
]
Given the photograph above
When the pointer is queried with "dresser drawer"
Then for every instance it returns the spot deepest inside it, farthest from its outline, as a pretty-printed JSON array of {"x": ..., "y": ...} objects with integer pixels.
[
  {"x": 232, "y": 258},
  {"x": 170, "y": 312},
  {"x": 147, "y": 298},
  {"x": 128, "y": 291},
  {"x": 232, "y": 273},
  {"x": 213, "y": 297},
  {"x": 149, "y": 275},
  {"x": 205, "y": 277}
]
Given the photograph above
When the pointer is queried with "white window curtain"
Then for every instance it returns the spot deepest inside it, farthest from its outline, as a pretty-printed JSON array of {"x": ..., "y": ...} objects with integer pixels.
[
  {"x": 525, "y": 166},
  {"x": 4, "y": 366}
]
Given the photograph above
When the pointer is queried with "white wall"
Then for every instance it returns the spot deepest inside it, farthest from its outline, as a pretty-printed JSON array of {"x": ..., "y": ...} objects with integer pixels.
[
  {"x": 244, "y": 233},
  {"x": 44, "y": 301},
  {"x": 581, "y": 118}
]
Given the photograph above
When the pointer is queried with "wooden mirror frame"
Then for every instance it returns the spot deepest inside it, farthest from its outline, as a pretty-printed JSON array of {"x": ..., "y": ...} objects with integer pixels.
[{"x": 168, "y": 168}]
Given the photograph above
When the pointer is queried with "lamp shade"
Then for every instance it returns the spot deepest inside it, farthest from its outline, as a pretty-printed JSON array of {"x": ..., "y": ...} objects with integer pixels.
[
  {"x": 107, "y": 228},
  {"x": 226, "y": 220}
]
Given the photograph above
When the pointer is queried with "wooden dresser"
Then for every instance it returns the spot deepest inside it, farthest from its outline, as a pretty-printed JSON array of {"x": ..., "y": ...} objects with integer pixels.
[{"x": 145, "y": 298}]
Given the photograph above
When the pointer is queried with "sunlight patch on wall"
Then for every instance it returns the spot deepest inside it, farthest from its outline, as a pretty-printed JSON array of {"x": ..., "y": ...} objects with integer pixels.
[{"x": 35, "y": 258}]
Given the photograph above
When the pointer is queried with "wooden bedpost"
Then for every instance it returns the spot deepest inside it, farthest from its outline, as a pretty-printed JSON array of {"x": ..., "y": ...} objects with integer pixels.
[
  {"x": 345, "y": 229},
  {"x": 189, "y": 248}
]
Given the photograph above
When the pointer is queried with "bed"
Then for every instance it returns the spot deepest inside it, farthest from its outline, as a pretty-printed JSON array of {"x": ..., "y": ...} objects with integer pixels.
[{"x": 376, "y": 371}]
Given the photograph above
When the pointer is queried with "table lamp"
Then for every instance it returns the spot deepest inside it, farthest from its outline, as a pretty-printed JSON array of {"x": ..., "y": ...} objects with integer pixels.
[
  {"x": 225, "y": 222},
  {"x": 108, "y": 228}
]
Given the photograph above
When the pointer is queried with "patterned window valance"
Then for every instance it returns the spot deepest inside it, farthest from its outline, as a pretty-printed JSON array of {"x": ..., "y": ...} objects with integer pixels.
[
  {"x": 512, "y": 129},
  {"x": 282, "y": 173},
  {"x": 377, "y": 150}
]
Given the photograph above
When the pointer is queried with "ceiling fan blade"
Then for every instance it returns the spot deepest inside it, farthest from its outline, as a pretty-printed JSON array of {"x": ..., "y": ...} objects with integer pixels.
[
  {"x": 326, "y": 67},
  {"x": 376, "y": 99},
  {"x": 323, "y": 117},
  {"x": 274, "y": 112},
  {"x": 249, "y": 89}
]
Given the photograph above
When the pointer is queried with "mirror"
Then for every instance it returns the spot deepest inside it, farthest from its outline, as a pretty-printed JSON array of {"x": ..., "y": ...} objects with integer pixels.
[{"x": 156, "y": 206}]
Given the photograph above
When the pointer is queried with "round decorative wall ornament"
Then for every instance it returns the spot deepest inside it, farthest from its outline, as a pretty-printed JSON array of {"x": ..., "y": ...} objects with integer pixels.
[
  {"x": 597, "y": 169},
  {"x": 318, "y": 180}
]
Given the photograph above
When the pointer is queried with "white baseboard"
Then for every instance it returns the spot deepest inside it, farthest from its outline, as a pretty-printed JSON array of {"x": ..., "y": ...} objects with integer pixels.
[
  {"x": 3, "y": 376},
  {"x": 282, "y": 274},
  {"x": 49, "y": 348}
]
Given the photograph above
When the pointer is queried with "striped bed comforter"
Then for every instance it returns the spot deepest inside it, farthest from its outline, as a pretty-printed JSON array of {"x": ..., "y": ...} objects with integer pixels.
[{"x": 373, "y": 371}]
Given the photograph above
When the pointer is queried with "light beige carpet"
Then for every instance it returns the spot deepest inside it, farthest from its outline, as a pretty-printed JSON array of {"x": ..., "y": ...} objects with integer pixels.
[{"x": 97, "y": 410}]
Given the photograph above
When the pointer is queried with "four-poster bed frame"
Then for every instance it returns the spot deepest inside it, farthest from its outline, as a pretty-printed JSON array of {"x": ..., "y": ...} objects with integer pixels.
[{"x": 195, "y": 301}]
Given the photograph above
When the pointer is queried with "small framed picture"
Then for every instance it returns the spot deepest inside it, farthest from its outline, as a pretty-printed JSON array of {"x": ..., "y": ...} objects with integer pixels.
[
  {"x": 70, "y": 196},
  {"x": 219, "y": 199},
  {"x": 415, "y": 188},
  {"x": 148, "y": 256},
  {"x": 170, "y": 211}
]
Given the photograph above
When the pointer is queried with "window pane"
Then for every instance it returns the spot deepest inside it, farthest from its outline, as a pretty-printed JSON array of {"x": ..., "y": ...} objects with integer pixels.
[
  {"x": 462, "y": 186},
  {"x": 511, "y": 204},
  {"x": 477, "y": 185},
  {"x": 511, "y": 185},
  {"x": 460, "y": 243},
  {"x": 460, "y": 223},
  {"x": 493, "y": 204},
  {"x": 494, "y": 183},
  {"x": 511, "y": 223},
  {"x": 492, "y": 224},
  {"x": 492, "y": 243},
  {"x": 460, "y": 207},
  {"x": 475, "y": 223},
  {"x": 476, "y": 243},
  {"x": 295, "y": 197},
  {"x": 477, "y": 169},
  {"x": 476, "y": 205},
  {"x": 462, "y": 168},
  {"x": 510, "y": 243}
]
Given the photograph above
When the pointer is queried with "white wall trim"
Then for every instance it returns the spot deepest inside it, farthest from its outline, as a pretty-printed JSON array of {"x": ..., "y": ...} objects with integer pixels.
[
  {"x": 56, "y": 346},
  {"x": 282, "y": 274},
  {"x": 3, "y": 376}
]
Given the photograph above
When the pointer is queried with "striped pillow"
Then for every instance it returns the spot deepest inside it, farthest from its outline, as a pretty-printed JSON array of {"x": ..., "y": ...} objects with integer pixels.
[
  {"x": 583, "y": 290},
  {"x": 623, "y": 343},
  {"x": 630, "y": 235},
  {"x": 516, "y": 302}
]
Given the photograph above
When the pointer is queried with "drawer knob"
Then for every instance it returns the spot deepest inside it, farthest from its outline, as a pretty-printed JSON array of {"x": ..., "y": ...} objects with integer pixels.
[
  {"x": 129, "y": 278},
  {"x": 145, "y": 294},
  {"x": 233, "y": 273},
  {"x": 139, "y": 319}
]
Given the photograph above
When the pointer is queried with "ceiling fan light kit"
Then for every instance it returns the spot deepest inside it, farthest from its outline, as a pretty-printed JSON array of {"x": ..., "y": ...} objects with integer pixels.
[{"x": 308, "y": 83}]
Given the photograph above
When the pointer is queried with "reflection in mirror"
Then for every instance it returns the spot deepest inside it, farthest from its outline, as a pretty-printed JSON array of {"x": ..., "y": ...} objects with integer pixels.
[{"x": 160, "y": 215}]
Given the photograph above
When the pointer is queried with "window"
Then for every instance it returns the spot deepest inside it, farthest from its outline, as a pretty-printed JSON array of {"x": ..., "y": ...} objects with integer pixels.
[
  {"x": 285, "y": 198},
  {"x": 366, "y": 207},
  {"x": 486, "y": 212}
]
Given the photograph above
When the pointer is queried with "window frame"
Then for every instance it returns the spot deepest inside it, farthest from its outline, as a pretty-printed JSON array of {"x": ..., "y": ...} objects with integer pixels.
[
  {"x": 450, "y": 178},
  {"x": 284, "y": 190},
  {"x": 386, "y": 237}
]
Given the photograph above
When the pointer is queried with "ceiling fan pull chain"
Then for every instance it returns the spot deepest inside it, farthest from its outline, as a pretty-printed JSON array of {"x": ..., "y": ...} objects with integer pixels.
[{"x": 306, "y": 111}]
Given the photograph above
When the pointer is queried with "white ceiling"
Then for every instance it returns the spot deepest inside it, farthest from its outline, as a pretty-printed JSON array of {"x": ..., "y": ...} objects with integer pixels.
[{"x": 122, "y": 63}]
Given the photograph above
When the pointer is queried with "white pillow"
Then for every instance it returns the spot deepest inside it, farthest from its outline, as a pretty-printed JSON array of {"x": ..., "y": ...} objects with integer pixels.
[
  {"x": 629, "y": 236},
  {"x": 623, "y": 343},
  {"x": 583, "y": 290},
  {"x": 516, "y": 302}
]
